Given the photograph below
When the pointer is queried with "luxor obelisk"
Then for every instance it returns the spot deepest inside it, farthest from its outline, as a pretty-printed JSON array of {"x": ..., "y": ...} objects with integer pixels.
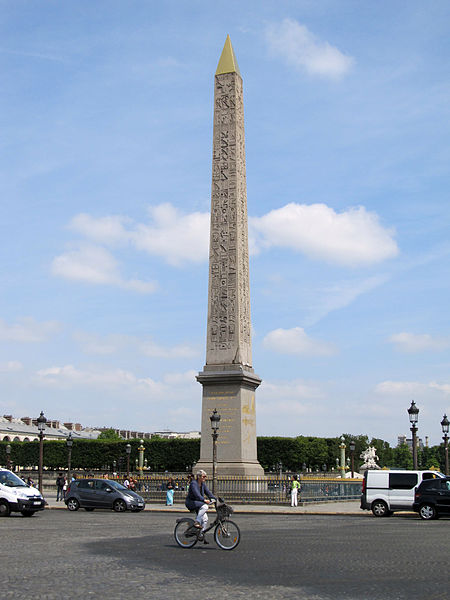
[{"x": 228, "y": 379}]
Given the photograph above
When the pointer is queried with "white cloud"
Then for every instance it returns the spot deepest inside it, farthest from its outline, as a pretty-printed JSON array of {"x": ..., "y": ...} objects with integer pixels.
[
  {"x": 119, "y": 382},
  {"x": 12, "y": 366},
  {"x": 28, "y": 330},
  {"x": 110, "y": 344},
  {"x": 95, "y": 344},
  {"x": 412, "y": 343},
  {"x": 400, "y": 388},
  {"x": 441, "y": 387},
  {"x": 351, "y": 238},
  {"x": 180, "y": 379},
  {"x": 102, "y": 230},
  {"x": 303, "y": 50},
  {"x": 292, "y": 400},
  {"x": 175, "y": 237},
  {"x": 69, "y": 376},
  {"x": 296, "y": 341},
  {"x": 95, "y": 265},
  {"x": 150, "y": 348},
  {"x": 325, "y": 300},
  {"x": 411, "y": 388}
]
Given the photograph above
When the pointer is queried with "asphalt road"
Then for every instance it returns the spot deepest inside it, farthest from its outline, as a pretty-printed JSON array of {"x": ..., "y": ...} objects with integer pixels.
[{"x": 57, "y": 554}]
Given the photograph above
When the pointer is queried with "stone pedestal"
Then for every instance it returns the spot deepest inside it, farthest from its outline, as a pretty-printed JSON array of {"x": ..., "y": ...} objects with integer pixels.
[{"x": 231, "y": 390}]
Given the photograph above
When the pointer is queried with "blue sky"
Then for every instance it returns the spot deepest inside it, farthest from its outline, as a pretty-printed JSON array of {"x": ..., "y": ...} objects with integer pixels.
[{"x": 105, "y": 174}]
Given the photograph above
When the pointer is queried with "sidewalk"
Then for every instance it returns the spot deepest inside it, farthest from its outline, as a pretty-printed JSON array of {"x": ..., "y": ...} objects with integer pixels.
[{"x": 346, "y": 507}]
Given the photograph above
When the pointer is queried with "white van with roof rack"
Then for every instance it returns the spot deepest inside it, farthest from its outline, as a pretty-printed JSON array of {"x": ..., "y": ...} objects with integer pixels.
[
  {"x": 387, "y": 491},
  {"x": 17, "y": 496}
]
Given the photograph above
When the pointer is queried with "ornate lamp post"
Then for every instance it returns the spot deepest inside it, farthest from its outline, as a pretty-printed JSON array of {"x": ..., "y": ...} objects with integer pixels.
[
  {"x": 445, "y": 425},
  {"x": 128, "y": 451},
  {"x": 214, "y": 418},
  {"x": 41, "y": 421},
  {"x": 8, "y": 456},
  {"x": 413, "y": 413},
  {"x": 352, "y": 447},
  {"x": 69, "y": 444},
  {"x": 141, "y": 451}
]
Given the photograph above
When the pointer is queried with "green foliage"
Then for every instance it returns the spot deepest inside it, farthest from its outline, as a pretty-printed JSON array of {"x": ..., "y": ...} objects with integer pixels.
[
  {"x": 402, "y": 457},
  {"x": 432, "y": 458},
  {"x": 110, "y": 435},
  {"x": 178, "y": 455},
  {"x": 173, "y": 455}
]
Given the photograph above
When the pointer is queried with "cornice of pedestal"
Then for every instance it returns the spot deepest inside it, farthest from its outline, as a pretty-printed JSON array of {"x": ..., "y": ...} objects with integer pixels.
[{"x": 233, "y": 374}]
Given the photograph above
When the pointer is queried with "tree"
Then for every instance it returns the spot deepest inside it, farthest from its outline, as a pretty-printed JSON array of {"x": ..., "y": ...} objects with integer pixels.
[
  {"x": 402, "y": 457},
  {"x": 110, "y": 435}
]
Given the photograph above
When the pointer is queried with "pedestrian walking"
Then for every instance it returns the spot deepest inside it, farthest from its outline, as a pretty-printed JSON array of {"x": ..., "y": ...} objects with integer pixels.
[
  {"x": 170, "y": 487},
  {"x": 59, "y": 487},
  {"x": 295, "y": 487}
]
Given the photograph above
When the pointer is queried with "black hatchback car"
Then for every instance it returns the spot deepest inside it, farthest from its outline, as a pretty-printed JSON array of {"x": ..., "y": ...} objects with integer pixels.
[
  {"x": 432, "y": 498},
  {"x": 102, "y": 493}
]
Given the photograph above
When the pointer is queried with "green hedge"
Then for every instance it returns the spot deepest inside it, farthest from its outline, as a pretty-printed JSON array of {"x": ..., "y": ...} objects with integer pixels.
[{"x": 178, "y": 455}]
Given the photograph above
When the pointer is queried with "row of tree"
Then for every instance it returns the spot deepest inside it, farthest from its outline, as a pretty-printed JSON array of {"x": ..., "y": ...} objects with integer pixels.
[{"x": 177, "y": 455}]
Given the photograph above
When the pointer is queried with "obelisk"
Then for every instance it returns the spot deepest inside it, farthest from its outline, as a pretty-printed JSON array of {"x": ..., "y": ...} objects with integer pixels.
[{"x": 228, "y": 379}]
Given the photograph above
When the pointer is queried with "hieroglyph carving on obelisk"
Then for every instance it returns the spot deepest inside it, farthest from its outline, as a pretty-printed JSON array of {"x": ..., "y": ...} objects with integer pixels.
[
  {"x": 228, "y": 379},
  {"x": 228, "y": 333}
]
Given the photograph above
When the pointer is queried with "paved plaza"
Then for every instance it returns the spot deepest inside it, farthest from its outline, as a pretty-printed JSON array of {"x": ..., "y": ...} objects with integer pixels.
[{"x": 315, "y": 557}]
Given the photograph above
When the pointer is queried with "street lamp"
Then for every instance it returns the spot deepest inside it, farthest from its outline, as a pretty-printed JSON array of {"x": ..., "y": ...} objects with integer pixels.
[
  {"x": 69, "y": 444},
  {"x": 41, "y": 421},
  {"x": 444, "y": 425},
  {"x": 413, "y": 413},
  {"x": 352, "y": 447},
  {"x": 8, "y": 456},
  {"x": 128, "y": 451},
  {"x": 214, "y": 418},
  {"x": 280, "y": 469}
]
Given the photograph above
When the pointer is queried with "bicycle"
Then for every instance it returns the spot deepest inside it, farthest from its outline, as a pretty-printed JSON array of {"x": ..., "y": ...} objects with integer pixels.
[{"x": 227, "y": 534}]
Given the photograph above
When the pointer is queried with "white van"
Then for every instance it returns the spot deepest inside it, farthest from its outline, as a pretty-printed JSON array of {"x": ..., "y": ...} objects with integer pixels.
[
  {"x": 384, "y": 492},
  {"x": 17, "y": 496}
]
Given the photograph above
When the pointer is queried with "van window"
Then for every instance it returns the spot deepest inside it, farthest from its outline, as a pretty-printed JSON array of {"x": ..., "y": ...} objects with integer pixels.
[{"x": 402, "y": 481}]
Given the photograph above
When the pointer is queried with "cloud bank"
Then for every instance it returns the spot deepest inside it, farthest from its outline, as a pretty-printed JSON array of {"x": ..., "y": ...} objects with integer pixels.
[
  {"x": 351, "y": 238},
  {"x": 301, "y": 49},
  {"x": 412, "y": 343},
  {"x": 296, "y": 341}
]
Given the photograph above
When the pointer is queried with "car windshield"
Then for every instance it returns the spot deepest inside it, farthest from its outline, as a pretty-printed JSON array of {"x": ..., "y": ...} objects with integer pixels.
[
  {"x": 11, "y": 480},
  {"x": 116, "y": 485}
]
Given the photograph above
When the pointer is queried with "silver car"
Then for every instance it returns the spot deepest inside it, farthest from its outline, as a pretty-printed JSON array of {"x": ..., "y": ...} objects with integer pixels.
[{"x": 102, "y": 493}]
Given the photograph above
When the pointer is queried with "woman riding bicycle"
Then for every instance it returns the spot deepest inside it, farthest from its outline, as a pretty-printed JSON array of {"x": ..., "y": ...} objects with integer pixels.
[{"x": 198, "y": 498}]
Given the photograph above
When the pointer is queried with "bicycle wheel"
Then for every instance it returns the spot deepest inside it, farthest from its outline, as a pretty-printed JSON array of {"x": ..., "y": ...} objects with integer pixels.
[
  {"x": 227, "y": 535},
  {"x": 184, "y": 536}
]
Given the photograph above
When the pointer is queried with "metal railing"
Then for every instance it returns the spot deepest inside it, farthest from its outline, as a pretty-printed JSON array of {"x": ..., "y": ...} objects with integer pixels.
[{"x": 254, "y": 490}]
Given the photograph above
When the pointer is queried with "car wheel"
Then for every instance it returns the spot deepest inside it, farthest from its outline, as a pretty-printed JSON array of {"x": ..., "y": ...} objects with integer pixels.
[
  {"x": 380, "y": 509},
  {"x": 27, "y": 513},
  {"x": 5, "y": 509},
  {"x": 89, "y": 509},
  {"x": 427, "y": 512},
  {"x": 120, "y": 506},
  {"x": 73, "y": 504}
]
